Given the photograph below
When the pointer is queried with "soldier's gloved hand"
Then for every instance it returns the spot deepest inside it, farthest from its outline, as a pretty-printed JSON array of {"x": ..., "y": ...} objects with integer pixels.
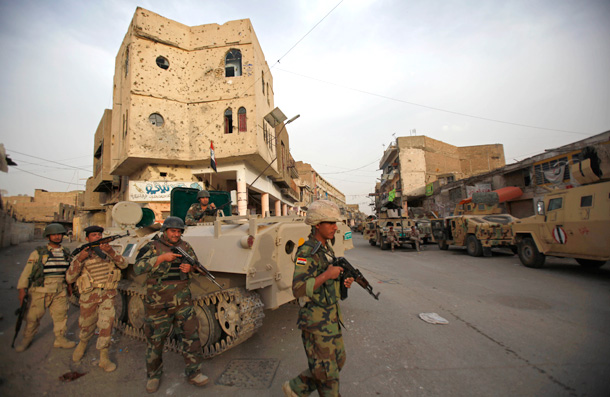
[
  {"x": 84, "y": 254},
  {"x": 169, "y": 257},
  {"x": 185, "y": 267},
  {"x": 107, "y": 249}
]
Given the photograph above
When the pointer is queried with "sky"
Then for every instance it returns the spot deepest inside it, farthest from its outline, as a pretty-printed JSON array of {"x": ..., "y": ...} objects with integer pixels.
[{"x": 529, "y": 74}]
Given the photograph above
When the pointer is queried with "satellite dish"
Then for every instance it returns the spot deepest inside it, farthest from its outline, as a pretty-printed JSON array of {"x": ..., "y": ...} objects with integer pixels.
[{"x": 127, "y": 213}]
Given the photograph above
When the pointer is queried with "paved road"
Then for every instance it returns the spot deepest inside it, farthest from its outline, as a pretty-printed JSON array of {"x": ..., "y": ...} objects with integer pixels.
[{"x": 512, "y": 331}]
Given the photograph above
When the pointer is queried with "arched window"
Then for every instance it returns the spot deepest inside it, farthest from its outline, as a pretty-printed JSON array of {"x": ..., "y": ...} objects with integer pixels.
[
  {"x": 241, "y": 120},
  {"x": 233, "y": 63},
  {"x": 228, "y": 121}
]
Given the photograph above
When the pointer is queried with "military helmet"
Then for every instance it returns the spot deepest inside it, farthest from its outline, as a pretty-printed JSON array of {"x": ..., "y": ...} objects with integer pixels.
[
  {"x": 322, "y": 211},
  {"x": 203, "y": 193},
  {"x": 54, "y": 228},
  {"x": 172, "y": 222}
]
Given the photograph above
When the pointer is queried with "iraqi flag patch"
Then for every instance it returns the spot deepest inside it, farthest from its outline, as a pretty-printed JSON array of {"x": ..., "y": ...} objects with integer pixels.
[{"x": 301, "y": 261}]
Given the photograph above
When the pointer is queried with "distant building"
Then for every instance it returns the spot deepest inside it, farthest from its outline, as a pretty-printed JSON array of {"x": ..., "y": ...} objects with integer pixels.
[
  {"x": 414, "y": 162},
  {"x": 177, "y": 89},
  {"x": 313, "y": 187},
  {"x": 44, "y": 208}
]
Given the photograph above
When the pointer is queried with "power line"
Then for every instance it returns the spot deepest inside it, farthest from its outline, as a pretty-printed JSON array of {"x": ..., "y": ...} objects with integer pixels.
[
  {"x": 50, "y": 161},
  {"x": 354, "y": 169},
  {"x": 432, "y": 107},
  {"x": 51, "y": 179}
]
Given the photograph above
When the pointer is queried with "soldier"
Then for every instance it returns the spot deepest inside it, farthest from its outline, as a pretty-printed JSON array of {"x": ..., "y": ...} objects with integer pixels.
[
  {"x": 96, "y": 274},
  {"x": 415, "y": 237},
  {"x": 316, "y": 285},
  {"x": 200, "y": 209},
  {"x": 44, "y": 276},
  {"x": 168, "y": 302},
  {"x": 392, "y": 238}
]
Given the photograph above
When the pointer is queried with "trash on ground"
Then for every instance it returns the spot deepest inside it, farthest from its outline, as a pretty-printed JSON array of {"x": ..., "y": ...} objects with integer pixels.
[
  {"x": 433, "y": 318},
  {"x": 70, "y": 376}
]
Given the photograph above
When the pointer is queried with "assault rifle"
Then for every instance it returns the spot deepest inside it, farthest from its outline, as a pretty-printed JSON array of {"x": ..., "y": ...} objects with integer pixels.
[
  {"x": 194, "y": 262},
  {"x": 103, "y": 240},
  {"x": 348, "y": 271},
  {"x": 20, "y": 313}
]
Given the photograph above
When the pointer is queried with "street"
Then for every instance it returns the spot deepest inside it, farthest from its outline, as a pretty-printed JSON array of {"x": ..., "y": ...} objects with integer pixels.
[{"x": 512, "y": 331}]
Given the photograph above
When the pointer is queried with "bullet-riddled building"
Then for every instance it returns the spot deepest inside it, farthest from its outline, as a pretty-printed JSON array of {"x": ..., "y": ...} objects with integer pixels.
[{"x": 178, "y": 90}]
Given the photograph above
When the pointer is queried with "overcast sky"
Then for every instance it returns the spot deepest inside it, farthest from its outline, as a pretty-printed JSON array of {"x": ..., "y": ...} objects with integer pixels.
[{"x": 531, "y": 75}]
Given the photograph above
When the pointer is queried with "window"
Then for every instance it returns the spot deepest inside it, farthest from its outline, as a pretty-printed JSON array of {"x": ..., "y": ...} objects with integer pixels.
[
  {"x": 156, "y": 119},
  {"x": 233, "y": 63},
  {"x": 550, "y": 168},
  {"x": 263, "y": 80},
  {"x": 126, "y": 61},
  {"x": 162, "y": 62},
  {"x": 555, "y": 204},
  {"x": 228, "y": 121},
  {"x": 241, "y": 120},
  {"x": 586, "y": 201}
]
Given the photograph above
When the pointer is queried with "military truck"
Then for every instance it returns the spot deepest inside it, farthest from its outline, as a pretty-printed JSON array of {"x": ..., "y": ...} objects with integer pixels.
[
  {"x": 251, "y": 257},
  {"x": 478, "y": 223},
  {"x": 376, "y": 231},
  {"x": 569, "y": 223}
]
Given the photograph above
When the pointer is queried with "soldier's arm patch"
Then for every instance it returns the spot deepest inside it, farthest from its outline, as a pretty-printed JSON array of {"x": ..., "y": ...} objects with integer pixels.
[{"x": 301, "y": 261}]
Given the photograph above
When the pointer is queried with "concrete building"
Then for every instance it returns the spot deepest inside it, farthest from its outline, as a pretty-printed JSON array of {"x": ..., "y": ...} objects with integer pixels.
[
  {"x": 177, "y": 91},
  {"x": 411, "y": 163},
  {"x": 536, "y": 176},
  {"x": 313, "y": 187},
  {"x": 44, "y": 208}
]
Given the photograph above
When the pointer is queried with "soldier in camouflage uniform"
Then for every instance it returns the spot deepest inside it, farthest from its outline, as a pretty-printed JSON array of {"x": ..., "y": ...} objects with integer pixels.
[
  {"x": 316, "y": 286},
  {"x": 96, "y": 275},
  {"x": 44, "y": 279},
  {"x": 200, "y": 209},
  {"x": 168, "y": 302},
  {"x": 392, "y": 238}
]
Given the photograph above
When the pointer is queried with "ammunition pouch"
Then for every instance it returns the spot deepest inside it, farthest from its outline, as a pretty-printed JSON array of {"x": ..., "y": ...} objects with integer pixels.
[
  {"x": 113, "y": 279},
  {"x": 84, "y": 283}
]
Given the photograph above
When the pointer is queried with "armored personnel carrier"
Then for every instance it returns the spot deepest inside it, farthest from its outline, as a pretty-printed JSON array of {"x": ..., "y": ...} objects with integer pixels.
[
  {"x": 570, "y": 223},
  {"x": 252, "y": 258},
  {"x": 478, "y": 223}
]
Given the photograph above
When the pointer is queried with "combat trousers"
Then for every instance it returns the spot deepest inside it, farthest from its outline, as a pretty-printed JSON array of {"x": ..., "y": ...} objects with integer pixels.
[
  {"x": 157, "y": 325},
  {"x": 325, "y": 358},
  {"x": 56, "y": 302},
  {"x": 97, "y": 311},
  {"x": 416, "y": 240}
]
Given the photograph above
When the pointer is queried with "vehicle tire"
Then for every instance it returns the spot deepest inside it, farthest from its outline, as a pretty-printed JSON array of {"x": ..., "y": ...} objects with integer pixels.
[
  {"x": 372, "y": 242},
  {"x": 529, "y": 254},
  {"x": 473, "y": 246},
  {"x": 209, "y": 328},
  {"x": 590, "y": 263},
  {"x": 384, "y": 245},
  {"x": 442, "y": 245},
  {"x": 120, "y": 308}
]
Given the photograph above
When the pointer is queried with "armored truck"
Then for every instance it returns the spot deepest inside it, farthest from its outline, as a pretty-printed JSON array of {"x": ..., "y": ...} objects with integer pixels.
[
  {"x": 570, "y": 223},
  {"x": 478, "y": 223},
  {"x": 252, "y": 258}
]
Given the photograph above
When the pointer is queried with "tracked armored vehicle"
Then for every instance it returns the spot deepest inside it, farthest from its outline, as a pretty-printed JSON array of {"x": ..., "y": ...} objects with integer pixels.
[{"x": 251, "y": 257}]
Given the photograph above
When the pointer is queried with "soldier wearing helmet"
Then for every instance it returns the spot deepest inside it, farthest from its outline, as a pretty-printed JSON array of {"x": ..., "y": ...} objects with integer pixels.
[
  {"x": 168, "y": 302},
  {"x": 200, "y": 209},
  {"x": 316, "y": 285},
  {"x": 44, "y": 278}
]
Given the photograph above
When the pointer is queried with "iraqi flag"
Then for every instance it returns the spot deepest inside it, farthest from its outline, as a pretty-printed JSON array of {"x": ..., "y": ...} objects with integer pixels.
[{"x": 212, "y": 156}]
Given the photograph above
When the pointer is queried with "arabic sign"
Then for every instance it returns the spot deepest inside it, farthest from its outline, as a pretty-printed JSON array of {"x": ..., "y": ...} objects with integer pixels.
[
  {"x": 478, "y": 188},
  {"x": 157, "y": 191}
]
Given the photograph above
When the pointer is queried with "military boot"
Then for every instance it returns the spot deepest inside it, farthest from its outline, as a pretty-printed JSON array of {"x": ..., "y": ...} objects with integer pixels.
[
  {"x": 288, "y": 392},
  {"x": 105, "y": 362},
  {"x": 79, "y": 352},
  {"x": 25, "y": 343},
  {"x": 152, "y": 385},
  {"x": 199, "y": 380},
  {"x": 61, "y": 341}
]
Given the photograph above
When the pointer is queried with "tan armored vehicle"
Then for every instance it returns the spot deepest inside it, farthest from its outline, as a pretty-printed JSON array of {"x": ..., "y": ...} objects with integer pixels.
[
  {"x": 251, "y": 257},
  {"x": 478, "y": 223},
  {"x": 570, "y": 223},
  {"x": 376, "y": 231}
]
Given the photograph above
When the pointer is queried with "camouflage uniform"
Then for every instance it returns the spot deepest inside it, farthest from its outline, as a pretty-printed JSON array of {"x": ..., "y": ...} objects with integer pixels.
[
  {"x": 168, "y": 302},
  {"x": 392, "y": 238},
  {"x": 44, "y": 275},
  {"x": 196, "y": 214},
  {"x": 415, "y": 238},
  {"x": 319, "y": 321},
  {"x": 97, "y": 278}
]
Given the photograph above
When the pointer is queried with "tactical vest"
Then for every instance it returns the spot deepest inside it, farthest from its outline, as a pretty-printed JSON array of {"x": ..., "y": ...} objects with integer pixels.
[
  {"x": 98, "y": 273},
  {"x": 173, "y": 273},
  {"x": 50, "y": 263}
]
